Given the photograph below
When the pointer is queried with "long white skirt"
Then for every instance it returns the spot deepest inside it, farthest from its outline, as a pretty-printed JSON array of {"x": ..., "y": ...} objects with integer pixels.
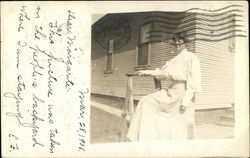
[{"x": 157, "y": 117}]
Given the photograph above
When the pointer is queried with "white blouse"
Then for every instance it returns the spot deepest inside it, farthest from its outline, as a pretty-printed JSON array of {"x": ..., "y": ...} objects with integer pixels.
[{"x": 183, "y": 67}]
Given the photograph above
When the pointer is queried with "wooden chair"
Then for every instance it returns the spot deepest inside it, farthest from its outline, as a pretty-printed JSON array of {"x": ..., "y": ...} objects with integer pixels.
[{"x": 128, "y": 108}]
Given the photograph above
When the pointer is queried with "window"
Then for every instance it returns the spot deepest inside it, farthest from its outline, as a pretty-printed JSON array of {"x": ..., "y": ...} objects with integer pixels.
[
  {"x": 142, "y": 58},
  {"x": 143, "y": 52},
  {"x": 110, "y": 52}
]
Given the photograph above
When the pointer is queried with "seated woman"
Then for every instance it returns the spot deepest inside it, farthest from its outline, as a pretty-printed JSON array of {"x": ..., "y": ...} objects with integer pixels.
[{"x": 169, "y": 113}]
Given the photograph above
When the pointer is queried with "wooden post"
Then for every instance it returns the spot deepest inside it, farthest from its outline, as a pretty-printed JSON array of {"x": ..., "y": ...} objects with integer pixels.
[
  {"x": 126, "y": 109},
  {"x": 157, "y": 83},
  {"x": 130, "y": 96}
]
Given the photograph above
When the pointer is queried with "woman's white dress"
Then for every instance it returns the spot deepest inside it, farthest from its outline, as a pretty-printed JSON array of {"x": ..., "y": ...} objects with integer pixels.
[{"x": 157, "y": 115}]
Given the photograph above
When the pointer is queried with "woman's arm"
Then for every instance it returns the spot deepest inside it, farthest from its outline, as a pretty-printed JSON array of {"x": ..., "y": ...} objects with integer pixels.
[
  {"x": 145, "y": 72},
  {"x": 189, "y": 94},
  {"x": 193, "y": 82},
  {"x": 159, "y": 74}
]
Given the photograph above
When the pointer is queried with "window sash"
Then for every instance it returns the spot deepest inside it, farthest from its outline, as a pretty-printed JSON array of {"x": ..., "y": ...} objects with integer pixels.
[
  {"x": 144, "y": 33},
  {"x": 143, "y": 54},
  {"x": 143, "y": 51},
  {"x": 110, "y": 52}
]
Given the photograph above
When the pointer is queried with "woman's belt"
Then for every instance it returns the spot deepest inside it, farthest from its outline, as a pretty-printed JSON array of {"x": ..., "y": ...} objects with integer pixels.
[
  {"x": 181, "y": 85},
  {"x": 178, "y": 82}
]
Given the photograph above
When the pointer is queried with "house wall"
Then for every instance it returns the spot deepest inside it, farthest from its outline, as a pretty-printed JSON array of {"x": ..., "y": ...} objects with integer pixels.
[
  {"x": 163, "y": 51},
  {"x": 124, "y": 61},
  {"x": 217, "y": 63}
]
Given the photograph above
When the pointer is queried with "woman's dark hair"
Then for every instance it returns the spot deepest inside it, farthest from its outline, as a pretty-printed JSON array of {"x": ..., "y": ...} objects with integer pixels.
[{"x": 180, "y": 36}]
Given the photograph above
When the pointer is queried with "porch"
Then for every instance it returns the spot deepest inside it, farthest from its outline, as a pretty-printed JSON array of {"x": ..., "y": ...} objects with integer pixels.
[{"x": 106, "y": 121}]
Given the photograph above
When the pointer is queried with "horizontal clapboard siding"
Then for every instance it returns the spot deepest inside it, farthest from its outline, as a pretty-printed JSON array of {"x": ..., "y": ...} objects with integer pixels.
[
  {"x": 217, "y": 65},
  {"x": 112, "y": 84},
  {"x": 217, "y": 62},
  {"x": 124, "y": 60}
]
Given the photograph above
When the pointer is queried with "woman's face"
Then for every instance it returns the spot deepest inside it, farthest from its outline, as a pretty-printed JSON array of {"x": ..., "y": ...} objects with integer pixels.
[{"x": 179, "y": 44}]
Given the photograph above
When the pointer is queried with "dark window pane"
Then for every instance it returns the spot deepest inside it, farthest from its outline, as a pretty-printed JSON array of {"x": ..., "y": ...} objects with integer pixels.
[
  {"x": 144, "y": 34},
  {"x": 109, "y": 54},
  {"x": 143, "y": 55},
  {"x": 109, "y": 62}
]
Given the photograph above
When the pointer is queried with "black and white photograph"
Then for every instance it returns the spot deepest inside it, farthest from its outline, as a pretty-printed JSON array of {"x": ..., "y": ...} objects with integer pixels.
[
  {"x": 164, "y": 75},
  {"x": 124, "y": 79}
]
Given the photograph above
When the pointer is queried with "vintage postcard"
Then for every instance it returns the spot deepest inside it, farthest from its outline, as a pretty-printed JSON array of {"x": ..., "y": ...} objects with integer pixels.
[{"x": 124, "y": 79}]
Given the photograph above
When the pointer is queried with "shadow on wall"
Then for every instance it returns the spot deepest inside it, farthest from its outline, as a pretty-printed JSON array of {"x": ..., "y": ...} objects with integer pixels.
[{"x": 124, "y": 28}]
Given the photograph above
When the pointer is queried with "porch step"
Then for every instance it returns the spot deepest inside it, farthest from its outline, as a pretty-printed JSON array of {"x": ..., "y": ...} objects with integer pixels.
[
  {"x": 228, "y": 118},
  {"x": 230, "y": 111},
  {"x": 226, "y": 124}
]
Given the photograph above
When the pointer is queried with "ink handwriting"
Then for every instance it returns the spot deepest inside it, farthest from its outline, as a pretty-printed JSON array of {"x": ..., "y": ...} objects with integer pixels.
[
  {"x": 82, "y": 125},
  {"x": 22, "y": 17}
]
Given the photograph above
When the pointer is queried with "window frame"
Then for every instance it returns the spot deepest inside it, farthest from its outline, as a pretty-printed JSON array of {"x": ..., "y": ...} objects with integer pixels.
[
  {"x": 107, "y": 70},
  {"x": 145, "y": 66}
]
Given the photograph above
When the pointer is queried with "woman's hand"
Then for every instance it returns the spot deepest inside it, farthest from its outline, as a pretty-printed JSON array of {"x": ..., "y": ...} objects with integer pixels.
[
  {"x": 145, "y": 72},
  {"x": 158, "y": 74},
  {"x": 182, "y": 109}
]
